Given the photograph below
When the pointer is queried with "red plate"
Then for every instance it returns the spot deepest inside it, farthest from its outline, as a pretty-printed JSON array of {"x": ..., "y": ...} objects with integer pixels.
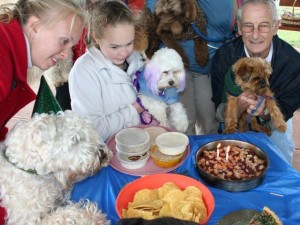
[
  {"x": 157, "y": 180},
  {"x": 149, "y": 168}
]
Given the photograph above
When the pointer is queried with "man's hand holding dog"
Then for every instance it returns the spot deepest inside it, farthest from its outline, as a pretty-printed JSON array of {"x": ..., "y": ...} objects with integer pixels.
[{"x": 249, "y": 101}]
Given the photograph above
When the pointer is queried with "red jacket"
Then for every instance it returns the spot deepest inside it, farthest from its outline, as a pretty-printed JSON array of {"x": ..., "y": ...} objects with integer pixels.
[
  {"x": 15, "y": 92},
  {"x": 2, "y": 216}
]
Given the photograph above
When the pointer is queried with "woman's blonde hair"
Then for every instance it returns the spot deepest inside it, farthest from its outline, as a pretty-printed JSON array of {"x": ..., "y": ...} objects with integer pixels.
[
  {"x": 48, "y": 11},
  {"x": 104, "y": 14}
]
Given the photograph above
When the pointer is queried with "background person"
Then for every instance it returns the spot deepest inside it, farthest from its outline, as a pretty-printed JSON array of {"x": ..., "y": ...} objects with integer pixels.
[
  {"x": 258, "y": 25},
  {"x": 101, "y": 80},
  {"x": 33, "y": 33}
]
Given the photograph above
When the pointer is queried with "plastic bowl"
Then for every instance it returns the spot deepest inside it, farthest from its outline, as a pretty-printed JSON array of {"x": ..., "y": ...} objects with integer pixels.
[
  {"x": 133, "y": 162},
  {"x": 132, "y": 140},
  {"x": 226, "y": 184},
  {"x": 157, "y": 180},
  {"x": 162, "y": 160},
  {"x": 172, "y": 143},
  {"x": 133, "y": 153}
]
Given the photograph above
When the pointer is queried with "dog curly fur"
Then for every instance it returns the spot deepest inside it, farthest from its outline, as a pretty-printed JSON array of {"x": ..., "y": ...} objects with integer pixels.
[
  {"x": 146, "y": 41},
  {"x": 162, "y": 73},
  {"x": 252, "y": 75},
  {"x": 40, "y": 161},
  {"x": 171, "y": 22}
]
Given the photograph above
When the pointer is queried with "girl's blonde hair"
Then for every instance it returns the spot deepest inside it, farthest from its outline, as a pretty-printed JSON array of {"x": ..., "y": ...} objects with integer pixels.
[
  {"x": 104, "y": 14},
  {"x": 48, "y": 11}
]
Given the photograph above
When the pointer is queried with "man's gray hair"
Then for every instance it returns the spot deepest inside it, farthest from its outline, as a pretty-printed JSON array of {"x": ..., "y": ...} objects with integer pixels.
[{"x": 269, "y": 3}]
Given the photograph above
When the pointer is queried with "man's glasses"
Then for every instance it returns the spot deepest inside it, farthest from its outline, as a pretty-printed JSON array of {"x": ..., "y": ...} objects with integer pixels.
[{"x": 262, "y": 27}]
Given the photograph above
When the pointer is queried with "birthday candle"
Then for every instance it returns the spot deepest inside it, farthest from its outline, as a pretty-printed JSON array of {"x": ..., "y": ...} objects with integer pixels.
[
  {"x": 218, "y": 150},
  {"x": 227, "y": 152}
]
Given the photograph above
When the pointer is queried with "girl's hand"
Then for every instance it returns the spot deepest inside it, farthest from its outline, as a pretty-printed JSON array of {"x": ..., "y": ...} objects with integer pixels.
[{"x": 138, "y": 108}]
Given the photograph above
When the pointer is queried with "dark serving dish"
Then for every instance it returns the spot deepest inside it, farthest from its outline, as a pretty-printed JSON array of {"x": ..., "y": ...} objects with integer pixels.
[{"x": 232, "y": 185}]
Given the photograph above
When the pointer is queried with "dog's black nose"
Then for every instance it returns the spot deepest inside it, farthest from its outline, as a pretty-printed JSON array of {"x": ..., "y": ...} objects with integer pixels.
[
  {"x": 103, "y": 155},
  {"x": 171, "y": 82},
  {"x": 262, "y": 83}
]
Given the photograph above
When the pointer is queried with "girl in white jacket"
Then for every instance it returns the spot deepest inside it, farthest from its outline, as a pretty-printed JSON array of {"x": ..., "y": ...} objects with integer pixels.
[{"x": 101, "y": 80}]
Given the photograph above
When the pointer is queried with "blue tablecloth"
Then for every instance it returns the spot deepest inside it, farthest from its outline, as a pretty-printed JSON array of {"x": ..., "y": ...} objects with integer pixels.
[{"x": 280, "y": 190}]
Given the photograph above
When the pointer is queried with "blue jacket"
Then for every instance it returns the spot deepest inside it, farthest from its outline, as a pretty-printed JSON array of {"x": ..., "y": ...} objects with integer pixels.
[{"x": 284, "y": 81}]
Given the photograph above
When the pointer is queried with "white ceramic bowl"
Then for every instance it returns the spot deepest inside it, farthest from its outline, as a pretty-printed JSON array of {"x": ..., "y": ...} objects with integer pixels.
[
  {"x": 172, "y": 143},
  {"x": 134, "y": 162},
  {"x": 132, "y": 140}
]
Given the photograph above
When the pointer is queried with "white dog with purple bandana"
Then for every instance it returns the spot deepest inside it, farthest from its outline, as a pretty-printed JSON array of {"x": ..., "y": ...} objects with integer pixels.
[{"x": 159, "y": 86}]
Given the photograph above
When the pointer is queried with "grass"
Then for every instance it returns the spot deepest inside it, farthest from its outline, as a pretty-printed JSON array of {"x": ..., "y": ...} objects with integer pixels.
[{"x": 292, "y": 37}]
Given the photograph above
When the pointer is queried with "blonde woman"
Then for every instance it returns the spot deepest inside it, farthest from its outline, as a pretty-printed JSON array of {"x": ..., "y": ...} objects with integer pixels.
[{"x": 33, "y": 33}]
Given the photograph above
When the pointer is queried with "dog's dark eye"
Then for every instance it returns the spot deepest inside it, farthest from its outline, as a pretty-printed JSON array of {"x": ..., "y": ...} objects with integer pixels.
[
  {"x": 177, "y": 72},
  {"x": 262, "y": 83}
]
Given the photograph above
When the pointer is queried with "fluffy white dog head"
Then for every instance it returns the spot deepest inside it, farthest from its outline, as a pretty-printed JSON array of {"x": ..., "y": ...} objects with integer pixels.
[
  {"x": 164, "y": 70},
  {"x": 64, "y": 145}
]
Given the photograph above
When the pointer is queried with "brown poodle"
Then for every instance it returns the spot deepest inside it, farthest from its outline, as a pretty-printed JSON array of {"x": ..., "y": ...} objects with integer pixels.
[
  {"x": 252, "y": 75},
  {"x": 175, "y": 18},
  {"x": 170, "y": 23},
  {"x": 146, "y": 40}
]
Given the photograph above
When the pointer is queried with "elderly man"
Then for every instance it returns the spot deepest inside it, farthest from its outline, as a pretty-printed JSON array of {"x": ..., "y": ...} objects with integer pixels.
[{"x": 258, "y": 25}]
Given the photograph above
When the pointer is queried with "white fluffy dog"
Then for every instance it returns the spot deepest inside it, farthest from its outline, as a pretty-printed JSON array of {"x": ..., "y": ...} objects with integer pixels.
[
  {"x": 159, "y": 86},
  {"x": 40, "y": 161}
]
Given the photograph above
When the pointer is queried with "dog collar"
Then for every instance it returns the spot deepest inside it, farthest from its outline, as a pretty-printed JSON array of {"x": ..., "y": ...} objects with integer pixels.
[
  {"x": 31, "y": 171},
  {"x": 258, "y": 105},
  {"x": 136, "y": 83},
  {"x": 268, "y": 97}
]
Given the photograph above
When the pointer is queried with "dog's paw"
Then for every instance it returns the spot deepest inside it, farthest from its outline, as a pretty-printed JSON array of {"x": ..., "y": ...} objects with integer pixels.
[
  {"x": 229, "y": 130},
  {"x": 181, "y": 127},
  {"x": 280, "y": 126},
  {"x": 263, "y": 129}
]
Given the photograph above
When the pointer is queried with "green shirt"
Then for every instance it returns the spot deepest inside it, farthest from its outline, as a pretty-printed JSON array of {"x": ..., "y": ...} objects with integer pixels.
[{"x": 230, "y": 87}]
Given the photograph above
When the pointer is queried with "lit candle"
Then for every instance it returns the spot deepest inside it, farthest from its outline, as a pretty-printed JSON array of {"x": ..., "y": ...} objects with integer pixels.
[
  {"x": 218, "y": 150},
  {"x": 227, "y": 152}
]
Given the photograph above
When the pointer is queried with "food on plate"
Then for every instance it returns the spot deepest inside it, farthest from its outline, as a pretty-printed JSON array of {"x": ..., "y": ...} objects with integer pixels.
[
  {"x": 231, "y": 162},
  {"x": 266, "y": 217},
  {"x": 163, "y": 160},
  {"x": 167, "y": 201},
  {"x": 154, "y": 132}
]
